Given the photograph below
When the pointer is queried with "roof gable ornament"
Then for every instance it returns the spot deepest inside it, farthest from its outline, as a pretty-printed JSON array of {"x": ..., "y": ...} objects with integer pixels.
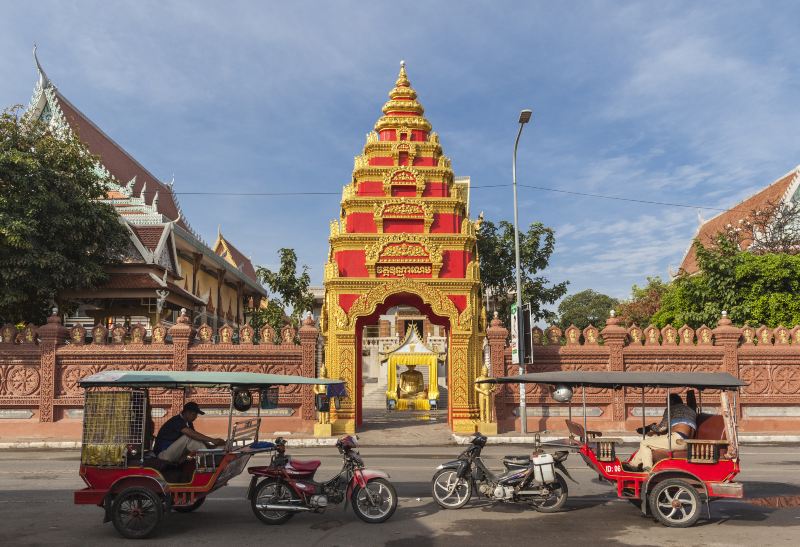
[{"x": 44, "y": 81}]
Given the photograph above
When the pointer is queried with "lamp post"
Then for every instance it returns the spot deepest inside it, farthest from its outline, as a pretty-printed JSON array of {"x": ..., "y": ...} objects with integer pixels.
[{"x": 524, "y": 117}]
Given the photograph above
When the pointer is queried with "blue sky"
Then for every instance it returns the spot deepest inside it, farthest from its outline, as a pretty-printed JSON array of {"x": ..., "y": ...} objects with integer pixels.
[{"x": 682, "y": 101}]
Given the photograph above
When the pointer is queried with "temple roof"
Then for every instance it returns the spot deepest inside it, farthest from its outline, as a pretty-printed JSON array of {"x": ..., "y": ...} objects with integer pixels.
[
  {"x": 234, "y": 256},
  {"x": 782, "y": 189},
  {"x": 149, "y": 207}
]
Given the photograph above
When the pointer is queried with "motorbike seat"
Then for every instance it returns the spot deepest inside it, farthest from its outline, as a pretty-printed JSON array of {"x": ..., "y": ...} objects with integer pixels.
[
  {"x": 516, "y": 461},
  {"x": 304, "y": 466}
]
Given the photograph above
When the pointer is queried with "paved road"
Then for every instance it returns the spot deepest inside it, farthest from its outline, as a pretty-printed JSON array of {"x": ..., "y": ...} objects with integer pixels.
[{"x": 36, "y": 509}]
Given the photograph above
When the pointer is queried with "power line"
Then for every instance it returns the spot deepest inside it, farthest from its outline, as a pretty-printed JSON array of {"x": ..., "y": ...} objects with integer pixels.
[{"x": 473, "y": 187}]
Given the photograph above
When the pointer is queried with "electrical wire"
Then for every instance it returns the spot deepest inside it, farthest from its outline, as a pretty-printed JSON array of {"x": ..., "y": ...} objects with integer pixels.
[{"x": 473, "y": 187}]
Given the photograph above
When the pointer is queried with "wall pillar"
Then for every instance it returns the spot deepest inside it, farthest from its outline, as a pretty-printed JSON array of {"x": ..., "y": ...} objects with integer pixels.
[
  {"x": 465, "y": 359},
  {"x": 341, "y": 364},
  {"x": 614, "y": 335},
  {"x": 497, "y": 335},
  {"x": 727, "y": 336},
  {"x": 308, "y": 342},
  {"x": 51, "y": 335},
  {"x": 182, "y": 334}
]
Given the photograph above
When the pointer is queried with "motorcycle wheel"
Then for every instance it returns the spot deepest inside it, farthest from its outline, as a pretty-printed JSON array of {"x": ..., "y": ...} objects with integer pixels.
[
  {"x": 271, "y": 491},
  {"x": 443, "y": 481},
  {"x": 557, "y": 498},
  {"x": 386, "y": 498}
]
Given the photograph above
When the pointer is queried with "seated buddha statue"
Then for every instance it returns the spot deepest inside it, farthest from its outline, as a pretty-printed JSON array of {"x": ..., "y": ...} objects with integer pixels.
[{"x": 412, "y": 384}]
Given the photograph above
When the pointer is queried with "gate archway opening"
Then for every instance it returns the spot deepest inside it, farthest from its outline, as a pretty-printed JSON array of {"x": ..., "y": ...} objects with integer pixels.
[{"x": 394, "y": 302}]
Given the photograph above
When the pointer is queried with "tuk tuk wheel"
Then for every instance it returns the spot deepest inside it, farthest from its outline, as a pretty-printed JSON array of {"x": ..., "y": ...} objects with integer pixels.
[
  {"x": 188, "y": 508},
  {"x": 675, "y": 503},
  {"x": 137, "y": 512}
]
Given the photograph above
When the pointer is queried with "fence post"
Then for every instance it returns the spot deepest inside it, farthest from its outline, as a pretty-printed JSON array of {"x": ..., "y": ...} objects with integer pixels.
[
  {"x": 497, "y": 334},
  {"x": 308, "y": 342},
  {"x": 51, "y": 335},
  {"x": 614, "y": 336},
  {"x": 727, "y": 336},
  {"x": 182, "y": 334}
]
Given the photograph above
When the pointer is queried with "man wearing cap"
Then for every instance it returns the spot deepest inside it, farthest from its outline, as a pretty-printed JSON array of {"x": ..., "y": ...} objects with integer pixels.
[{"x": 177, "y": 436}]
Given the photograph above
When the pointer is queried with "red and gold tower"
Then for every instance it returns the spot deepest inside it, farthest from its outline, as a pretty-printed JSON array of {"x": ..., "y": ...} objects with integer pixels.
[{"x": 403, "y": 237}]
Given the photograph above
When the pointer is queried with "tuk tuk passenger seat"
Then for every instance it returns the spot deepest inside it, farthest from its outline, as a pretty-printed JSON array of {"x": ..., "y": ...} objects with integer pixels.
[{"x": 710, "y": 427}]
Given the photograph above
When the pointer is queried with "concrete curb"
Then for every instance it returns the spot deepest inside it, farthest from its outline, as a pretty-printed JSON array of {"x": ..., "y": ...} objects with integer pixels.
[{"x": 627, "y": 439}]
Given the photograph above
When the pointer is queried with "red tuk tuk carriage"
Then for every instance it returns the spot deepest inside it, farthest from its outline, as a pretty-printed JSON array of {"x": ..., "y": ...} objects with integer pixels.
[
  {"x": 683, "y": 477},
  {"x": 123, "y": 476}
]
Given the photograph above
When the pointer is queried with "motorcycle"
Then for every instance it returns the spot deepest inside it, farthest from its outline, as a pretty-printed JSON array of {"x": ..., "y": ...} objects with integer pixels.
[
  {"x": 287, "y": 487},
  {"x": 538, "y": 480}
]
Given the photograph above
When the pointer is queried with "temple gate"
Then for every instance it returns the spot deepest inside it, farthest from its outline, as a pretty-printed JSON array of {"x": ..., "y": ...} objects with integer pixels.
[{"x": 403, "y": 237}]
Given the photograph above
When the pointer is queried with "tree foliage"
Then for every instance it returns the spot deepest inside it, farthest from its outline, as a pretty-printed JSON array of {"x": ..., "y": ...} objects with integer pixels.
[
  {"x": 644, "y": 303},
  {"x": 498, "y": 268},
  {"x": 752, "y": 288},
  {"x": 54, "y": 234},
  {"x": 290, "y": 293},
  {"x": 585, "y": 308},
  {"x": 772, "y": 228}
]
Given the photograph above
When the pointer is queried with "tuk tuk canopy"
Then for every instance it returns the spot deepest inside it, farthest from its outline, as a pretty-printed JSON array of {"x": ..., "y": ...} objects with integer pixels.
[
  {"x": 179, "y": 379},
  {"x": 615, "y": 380}
]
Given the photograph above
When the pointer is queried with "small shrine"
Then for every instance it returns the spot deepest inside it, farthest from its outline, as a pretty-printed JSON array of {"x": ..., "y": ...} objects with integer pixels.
[{"x": 412, "y": 389}]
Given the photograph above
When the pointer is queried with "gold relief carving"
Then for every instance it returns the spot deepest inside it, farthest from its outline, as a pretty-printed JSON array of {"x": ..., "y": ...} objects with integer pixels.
[
  {"x": 465, "y": 318},
  {"x": 590, "y": 334},
  {"x": 399, "y": 271},
  {"x": 403, "y": 176},
  {"x": 704, "y": 336},
  {"x": 749, "y": 334},
  {"x": 395, "y": 247},
  {"x": 686, "y": 335},
  {"x": 205, "y": 333},
  {"x": 764, "y": 335},
  {"x": 118, "y": 334},
  {"x": 636, "y": 335},
  {"x": 99, "y": 334},
  {"x": 335, "y": 228},
  {"x": 226, "y": 334},
  {"x": 159, "y": 334},
  {"x": 404, "y": 146},
  {"x": 669, "y": 335},
  {"x": 372, "y": 137},
  {"x": 781, "y": 336},
  {"x": 138, "y": 333},
  {"x": 288, "y": 334},
  {"x": 77, "y": 335},
  {"x": 412, "y": 122},
  {"x": 331, "y": 270},
  {"x": 651, "y": 336},
  {"x": 266, "y": 335},
  {"x": 340, "y": 317},
  {"x": 359, "y": 162},
  {"x": 246, "y": 335},
  {"x": 403, "y": 250}
]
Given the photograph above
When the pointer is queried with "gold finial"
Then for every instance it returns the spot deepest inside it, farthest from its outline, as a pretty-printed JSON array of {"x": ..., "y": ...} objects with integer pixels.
[{"x": 402, "y": 78}]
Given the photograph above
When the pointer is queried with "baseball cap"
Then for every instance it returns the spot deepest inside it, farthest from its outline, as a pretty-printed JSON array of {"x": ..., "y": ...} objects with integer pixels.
[{"x": 191, "y": 406}]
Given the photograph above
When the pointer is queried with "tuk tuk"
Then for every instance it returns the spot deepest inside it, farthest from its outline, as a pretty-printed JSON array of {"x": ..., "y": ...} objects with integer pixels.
[
  {"x": 685, "y": 475},
  {"x": 137, "y": 489}
]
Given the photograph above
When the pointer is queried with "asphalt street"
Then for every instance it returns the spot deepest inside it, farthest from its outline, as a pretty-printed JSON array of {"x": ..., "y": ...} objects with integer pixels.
[{"x": 36, "y": 508}]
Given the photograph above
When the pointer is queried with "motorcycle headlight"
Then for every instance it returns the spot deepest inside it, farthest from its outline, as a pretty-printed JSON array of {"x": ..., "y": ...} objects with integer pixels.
[{"x": 440, "y": 467}]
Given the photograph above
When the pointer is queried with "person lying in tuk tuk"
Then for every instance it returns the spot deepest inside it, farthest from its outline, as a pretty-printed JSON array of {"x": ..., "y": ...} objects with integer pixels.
[
  {"x": 683, "y": 422},
  {"x": 177, "y": 437}
]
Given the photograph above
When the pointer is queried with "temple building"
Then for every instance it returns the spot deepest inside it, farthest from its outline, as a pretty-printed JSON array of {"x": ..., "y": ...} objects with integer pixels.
[
  {"x": 167, "y": 265},
  {"x": 402, "y": 318},
  {"x": 784, "y": 190}
]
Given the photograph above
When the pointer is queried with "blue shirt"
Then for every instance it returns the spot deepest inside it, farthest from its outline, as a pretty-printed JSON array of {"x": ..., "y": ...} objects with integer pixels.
[{"x": 170, "y": 432}]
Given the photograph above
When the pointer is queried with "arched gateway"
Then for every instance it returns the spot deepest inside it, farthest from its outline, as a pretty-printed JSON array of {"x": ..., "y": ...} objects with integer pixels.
[{"x": 403, "y": 238}]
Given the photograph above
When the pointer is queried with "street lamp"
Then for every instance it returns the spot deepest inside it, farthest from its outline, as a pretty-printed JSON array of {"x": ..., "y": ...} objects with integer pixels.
[{"x": 524, "y": 117}]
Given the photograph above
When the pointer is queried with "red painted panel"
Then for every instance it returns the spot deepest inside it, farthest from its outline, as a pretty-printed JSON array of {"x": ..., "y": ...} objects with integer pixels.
[
  {"x": 419, "y": 135},
  {"x": 358, "y": 223},
  {"x": 402, "y": 158},
  {"x": 370, "y": 188},
  {"x": 381, "y": 160},
  {"x": 454, "y": 264},
  {"x": 435, "y": 190},
  {"x": 459, "y": 300},
  {"x": 352, "y": 263},
  {"x": 346, "y": 301},
  {"x": 400, "y": 225},
  {"x": 387, "y": 135},
  {"x": 446, "y": 223},
  {"x": 404, "y": 191},
  {"x": 424, "y": 161}
]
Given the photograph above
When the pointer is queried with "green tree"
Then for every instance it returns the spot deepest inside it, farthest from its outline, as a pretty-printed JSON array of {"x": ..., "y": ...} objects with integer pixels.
[
  {"x": 643, "y": 304},
  {"x": 290, "y": 297},
  {"x": 584, "y": 308},
  {"x": 54, "y": 234},
  {"x": 498, "y": 268},
  {"x": 752, "y": 288}
]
